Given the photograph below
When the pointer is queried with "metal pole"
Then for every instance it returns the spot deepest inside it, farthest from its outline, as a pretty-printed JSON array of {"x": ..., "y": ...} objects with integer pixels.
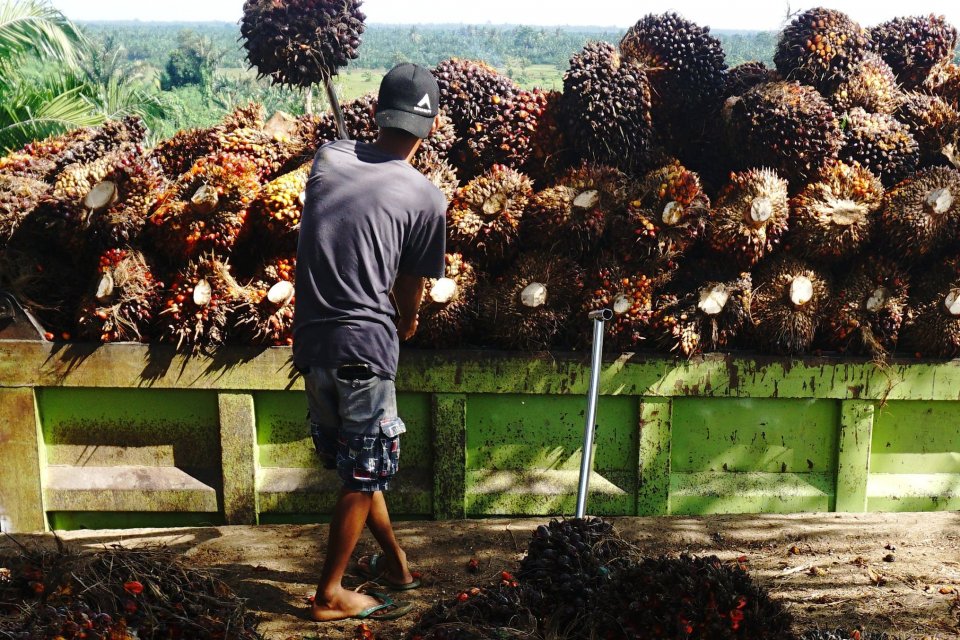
[
  {"x": 337, "y": 112},
  {"x": 600, "y": 318}
]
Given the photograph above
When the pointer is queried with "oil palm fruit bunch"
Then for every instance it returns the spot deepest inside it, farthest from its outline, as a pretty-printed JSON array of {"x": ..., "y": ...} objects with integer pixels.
[
  {"x": 262, "y": 312},
  {"x": 932, "y": 122},
  {"x": 358, "y": 116},
  {"x": 206, "y": 208},
  {"x": 607, "y": 107},
  {"x": 913, "y": 45},
  {"x": 789, "y": 301},
  {"x": 176, "y": 154},
  {"x": 709, "y": 318},
  {"x": 488, "y": 613},
  {"x": 529, "y": 307},
  {"x": 472, "y": 91},
  {"x": 109, "y": 137},
  {"x": 19, "y": 195},
  {"x": 301, "y": 42},
  {"x": 881, "y": 144},
  {"x": 567, "y": 564},
  {"x": 820, "y": 47},
  {"x": 277, "y": 208},
  {"x": 750, "y": 217},
  {"x": 507, "y": 140},
  {"x": 684, "y": 63},
  {"x": 195, "y": 310},
  {"x": 484, "y": 217},
  {"x": 628, "y": 292},
  {"x": 38, "y": 159},
  {"x": 267, "y": 151},
  {"x": 137, "y": 189},
  {"x": 747, "y": 75},
  {"x": 935, "y": 327},
  {"x": 448, "y": 310},
  {"x": 834, "y": 217},
  {"x": 841, "y": 634},
  {"x": 48, "y": 283},
  {"x": 125, "y": 297},
  {"x": 441, "y": 140},
  {"x": 921, "y": 214},
  {"x": 786, "y": 126},
  {"x": 571, "y": 216},
  {"x": 550, "y": 148},
  {"x": 667, "y": 213},
  {"x": 868, "y": 309},
  {"x": 944, "y": 82},
  {"x": 688, "y": 597},
  {"x": 870, "y": 85},
  {"x": 439, "y": 171}
]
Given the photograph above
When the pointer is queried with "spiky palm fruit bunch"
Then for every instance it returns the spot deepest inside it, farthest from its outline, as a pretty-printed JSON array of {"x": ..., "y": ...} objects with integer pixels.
[
  {"x": 707, "y": 319},
  {"x": 358, "y": 116},
  {"x": 262, "y": 312},
  {"x": 110, "y": 137},
  {"x": 881, "y": 144},
  {"x": 122, "y": 301},
  {"x": 473, "y": 92},
  {"x": 301, "y": 42},
  {"x": 278, "y": 207},
  {"x": 439, "y": 171},
  {"x": 790, "y": 298},
  {"x": 913, "y": 45},
  {"x": 626, "y": 292},
  {"x": 691, "y": 598},
  {"x": 944, "y": 82},
  {"x": 137, "y": 191},
  {"x": 870, "y": 85},
  {"x": 19, "y": 195},
  {"x": 667, "y": 213},
  {"x": 935, "y": 327},
  {"x": 441, "y": 140},
  {"x": 868, "y": 309},
  {"x": 745, "y": 76},
  {"x": 550, "y": 149},
  {"x": 484, "y": 217},
  {"x": 38, "y": 159},
  {"x": 834, "y": 217},
  {"x": 607, "y": 107},
  {"x": 820, "y": 47},
  {"x": 750, "y": 217},
  {"x": 448, "y": 310},
  {"x": 176, "y": 154},
  {"x": 529, "y": 307},
  {"x": 507, "y": 139},
  {"x": 206, "y": 208},
  {"x": 932, "y": 122},
  {"x": 268, "y": 152},
  {"x": 921, "y": 214},
  {"x": 195, "y": 310},
  {"x": 786, "y": 126},
  {"x": 684, "y": 63},
  {"x": 567, "y": 564},
  {"x": 572, "y": 214},
  {"x": 496, "y": 612}
]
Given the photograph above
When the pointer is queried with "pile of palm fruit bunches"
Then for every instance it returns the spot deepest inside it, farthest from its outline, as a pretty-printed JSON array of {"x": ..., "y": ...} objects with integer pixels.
[{"x": 814, "y": 206}]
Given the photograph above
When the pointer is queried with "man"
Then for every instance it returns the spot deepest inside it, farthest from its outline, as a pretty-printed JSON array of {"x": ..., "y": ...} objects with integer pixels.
[{"x": 373, "y": 229}]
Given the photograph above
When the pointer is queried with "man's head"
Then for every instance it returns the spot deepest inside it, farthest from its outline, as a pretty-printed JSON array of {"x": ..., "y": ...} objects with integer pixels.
[{"x": 409, "y": 100}]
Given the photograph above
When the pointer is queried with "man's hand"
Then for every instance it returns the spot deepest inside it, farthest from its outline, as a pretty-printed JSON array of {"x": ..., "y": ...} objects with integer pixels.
[{"x": 407, "y": 327}]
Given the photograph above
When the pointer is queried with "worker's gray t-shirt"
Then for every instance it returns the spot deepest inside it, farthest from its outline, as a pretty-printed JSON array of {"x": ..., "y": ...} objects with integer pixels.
[{"x": 367, "y": 217}]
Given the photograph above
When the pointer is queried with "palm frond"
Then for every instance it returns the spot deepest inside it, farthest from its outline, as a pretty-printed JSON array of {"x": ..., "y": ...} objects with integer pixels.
[
  {"x": 36, "y": 27},
  {"x": 42, "y": 112}
]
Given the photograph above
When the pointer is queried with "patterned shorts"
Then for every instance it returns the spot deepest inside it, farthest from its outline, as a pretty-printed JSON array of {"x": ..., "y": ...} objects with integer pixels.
[{"x": 355, "y": 428}]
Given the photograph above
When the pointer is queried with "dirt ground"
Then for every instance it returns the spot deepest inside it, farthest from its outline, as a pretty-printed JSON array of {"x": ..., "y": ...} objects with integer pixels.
[{"x": 896, "y": 573}]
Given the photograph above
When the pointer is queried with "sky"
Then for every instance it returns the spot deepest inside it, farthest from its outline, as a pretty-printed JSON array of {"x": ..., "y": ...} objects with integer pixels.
[{"x": 718, "y": 14}]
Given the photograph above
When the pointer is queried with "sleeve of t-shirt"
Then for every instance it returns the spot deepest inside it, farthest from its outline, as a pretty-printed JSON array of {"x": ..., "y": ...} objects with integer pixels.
[{"x": 423, "y": 252}]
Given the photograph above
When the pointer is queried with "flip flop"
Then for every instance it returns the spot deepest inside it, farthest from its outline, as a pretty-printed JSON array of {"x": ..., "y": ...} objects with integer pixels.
[
  {"x": 388, "y": 609},
  {"x": 373, "y": 571}
]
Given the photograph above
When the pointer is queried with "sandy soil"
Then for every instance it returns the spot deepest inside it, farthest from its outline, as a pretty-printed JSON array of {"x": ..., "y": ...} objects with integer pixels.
[{"x": 897, "y": 573}]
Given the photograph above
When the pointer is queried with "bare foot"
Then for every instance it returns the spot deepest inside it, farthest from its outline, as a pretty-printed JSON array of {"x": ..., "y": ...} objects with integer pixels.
[
  {"x": 394, "y": 570},
  {"x": 340, "y": 606}
]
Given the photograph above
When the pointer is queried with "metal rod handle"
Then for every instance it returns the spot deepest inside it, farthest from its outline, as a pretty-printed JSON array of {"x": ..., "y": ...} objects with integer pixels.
[
  {"x": 599, "y": 317},
  {"x": 337, "y": 111}
]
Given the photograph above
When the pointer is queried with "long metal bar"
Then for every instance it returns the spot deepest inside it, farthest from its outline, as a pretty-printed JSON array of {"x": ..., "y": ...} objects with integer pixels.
[
  {"x": 600, "y": 318},
  {"x": 337, "y": 111}
]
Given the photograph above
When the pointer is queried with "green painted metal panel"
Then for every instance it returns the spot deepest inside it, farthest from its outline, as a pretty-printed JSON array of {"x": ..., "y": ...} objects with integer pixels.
[
  {"x": 761, "y": 435},
  {"x": 653, "y": 492},
  {"x": 853, "y": 455},
  {"x": 449, "y": 456},
  {"x": 913, "y": 492},
  {"x": 120, "y": 427},
  {"x": 916, "y": 437},
  {"x": 713, "y": 493},
  {"x": 22, "y": 470},
  {"x": 72, "y": 520}
]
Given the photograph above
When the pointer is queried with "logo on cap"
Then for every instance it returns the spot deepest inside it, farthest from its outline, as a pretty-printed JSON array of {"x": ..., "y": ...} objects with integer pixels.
[{"x": 424, "y": 104}]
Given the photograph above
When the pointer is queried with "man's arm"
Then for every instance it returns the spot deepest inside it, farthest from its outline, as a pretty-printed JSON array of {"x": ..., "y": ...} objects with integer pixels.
[{"x": 407, "y": 296}]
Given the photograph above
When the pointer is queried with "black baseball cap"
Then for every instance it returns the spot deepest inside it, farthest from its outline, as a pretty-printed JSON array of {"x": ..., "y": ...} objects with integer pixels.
[{"x": 409, "y": 99}]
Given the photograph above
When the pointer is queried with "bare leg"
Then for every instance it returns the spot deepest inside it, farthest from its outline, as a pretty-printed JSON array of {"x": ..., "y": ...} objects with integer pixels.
[
  {"x": 332, "y": 601},
  {"x": 378, "y": 520}
]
